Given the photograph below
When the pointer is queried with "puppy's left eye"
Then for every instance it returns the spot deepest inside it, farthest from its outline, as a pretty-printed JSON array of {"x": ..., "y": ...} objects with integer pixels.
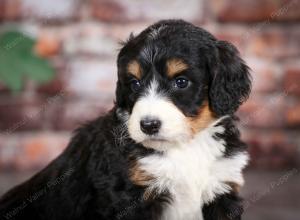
[
  {"x": 135, "y": 85},
  {"x": 181, "y": 82}
]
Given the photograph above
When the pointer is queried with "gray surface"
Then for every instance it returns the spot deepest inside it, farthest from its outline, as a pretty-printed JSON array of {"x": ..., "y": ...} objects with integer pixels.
[
  {"x": 268, "y": 195},
  {"x": 272, "y": 195}
]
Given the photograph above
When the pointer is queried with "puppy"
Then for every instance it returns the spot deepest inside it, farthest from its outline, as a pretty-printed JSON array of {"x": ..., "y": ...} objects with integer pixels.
[{"x": 168, "y": 150}]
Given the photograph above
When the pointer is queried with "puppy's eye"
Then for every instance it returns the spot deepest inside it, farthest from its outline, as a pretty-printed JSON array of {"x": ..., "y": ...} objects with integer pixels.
[
  {"x": 181, "y": 82},
  {"x": 135, "y": 85}
]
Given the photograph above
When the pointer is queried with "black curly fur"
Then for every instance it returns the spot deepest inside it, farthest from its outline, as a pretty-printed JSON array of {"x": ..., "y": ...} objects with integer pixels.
[
  {"x": 225, "y": 207},
  {"x": 231, "y": 80}
]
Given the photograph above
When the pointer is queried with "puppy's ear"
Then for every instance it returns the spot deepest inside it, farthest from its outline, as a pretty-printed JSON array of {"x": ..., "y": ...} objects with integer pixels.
[{"x": 231, "y": 82}]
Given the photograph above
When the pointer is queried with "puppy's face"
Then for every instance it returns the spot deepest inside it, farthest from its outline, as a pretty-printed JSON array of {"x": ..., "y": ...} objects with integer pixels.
[{"x": 174, "y": 80}]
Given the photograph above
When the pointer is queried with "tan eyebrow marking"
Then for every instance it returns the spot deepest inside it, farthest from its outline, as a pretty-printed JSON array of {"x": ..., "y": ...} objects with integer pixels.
[
  {"x": 135, "y": 69},
  {"x": 174, "y": 66}
]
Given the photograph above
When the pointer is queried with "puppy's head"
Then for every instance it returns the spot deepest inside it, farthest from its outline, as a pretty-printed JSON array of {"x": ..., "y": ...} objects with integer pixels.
[{"x": 175, "y": 79}]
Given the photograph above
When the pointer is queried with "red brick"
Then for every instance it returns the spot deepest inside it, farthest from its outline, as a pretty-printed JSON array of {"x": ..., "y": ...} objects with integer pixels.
[
  {"x": 26, "y": 151},
  {"x": 77, "y": 112},
  {"x": 47, "y": 46},
  {"x": 121, "y": 32},
  {"x": 50, "y": 11},
  {"x": 292, "y": 115},
  {"x": 231, "y": 34},
  {"x": 127, "y": 10},
  {"x": 55, "y": 86},
  {"x": 58, "y": 83},
  {"x": 264, "y": 80},
  {"x": 263, "y": 111},
  {"x": 54, "y": 110},
  {"x": 3, "y": 89},
  {"x": 266, "y": 76},
  {"x": 10, "y": 9},
  {"x": 20, "y": 113},
  {"x": 90, "y": 40},
  {"x": 271, "y": 149},
  {"x": 256, "y": 10},
  {"x": 108, "y": 10},
  {"x": 10, "y": 114},
  {"x": 292, "y": 78},
  {"x": 91, "y": 78},
  {"x": 2, "y": 10},
  {"x": 289, "y": 10},
  {"x": 275, "y": 43}
]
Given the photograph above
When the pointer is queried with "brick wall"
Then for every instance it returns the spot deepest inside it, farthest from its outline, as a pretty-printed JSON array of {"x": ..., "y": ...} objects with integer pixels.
[{"x": 81, "y": 40}]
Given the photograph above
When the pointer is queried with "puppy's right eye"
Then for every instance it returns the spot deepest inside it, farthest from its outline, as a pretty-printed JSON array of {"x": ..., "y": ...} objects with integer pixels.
[
  {"x": 135, "y": 85},
  {"x": 181, "y": 82}
]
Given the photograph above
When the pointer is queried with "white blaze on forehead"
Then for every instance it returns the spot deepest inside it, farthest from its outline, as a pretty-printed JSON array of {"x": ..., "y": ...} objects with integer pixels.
[
  {"x": 153, "y": 104},
  {"x": 152, "y": 91}
]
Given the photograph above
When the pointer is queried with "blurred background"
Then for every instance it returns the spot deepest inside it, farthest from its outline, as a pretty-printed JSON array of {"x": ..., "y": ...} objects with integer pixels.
[{"x": 58, "y": 70}]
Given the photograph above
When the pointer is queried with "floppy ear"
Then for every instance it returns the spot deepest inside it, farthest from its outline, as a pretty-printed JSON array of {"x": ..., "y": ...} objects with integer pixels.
[{"x": 231, "y": 82}]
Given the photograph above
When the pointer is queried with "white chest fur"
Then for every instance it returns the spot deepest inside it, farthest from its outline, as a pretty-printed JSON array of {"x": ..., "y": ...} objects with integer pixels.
[{"x": 194, "y": 173}]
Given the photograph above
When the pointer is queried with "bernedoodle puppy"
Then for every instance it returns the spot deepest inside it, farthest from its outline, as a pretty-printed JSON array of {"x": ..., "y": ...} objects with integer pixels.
[{"x": 168, "y": 150}]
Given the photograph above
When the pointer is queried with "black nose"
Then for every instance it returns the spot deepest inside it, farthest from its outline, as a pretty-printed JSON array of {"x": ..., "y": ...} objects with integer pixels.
[{"x": 150, "y": 125}]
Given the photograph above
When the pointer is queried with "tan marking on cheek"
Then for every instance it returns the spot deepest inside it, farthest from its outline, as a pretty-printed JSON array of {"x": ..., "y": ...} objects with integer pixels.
[
  {"x": 202, "y": 120},
  {"x": 149, "y": 195},
  {"x": 174, "y": 66},
  {"x": 135, "y": 69},
  {"x": 139, "y": 176},
  {"x": 234, "y": 186}
]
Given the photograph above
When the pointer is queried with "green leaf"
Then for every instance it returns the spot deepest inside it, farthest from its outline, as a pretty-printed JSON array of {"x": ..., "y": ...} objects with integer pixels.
[
  {"x": 18, "y": 62},
  {"x": 37, "y": 68},
  {"x": 13, "y": 81}
]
